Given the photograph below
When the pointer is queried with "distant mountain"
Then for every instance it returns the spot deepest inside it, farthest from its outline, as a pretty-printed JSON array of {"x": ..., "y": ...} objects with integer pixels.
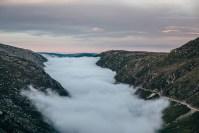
[
  {"x": 20, "y": 68},
  {"x": 175, "y": 75},
  {"x": 71, "y": 55}
]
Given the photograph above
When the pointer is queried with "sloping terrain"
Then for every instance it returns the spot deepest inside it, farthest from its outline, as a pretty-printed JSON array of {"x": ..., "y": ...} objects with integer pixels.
[
  {"x": 20, "y": 68},
  {"x": 174, "y": 75}
]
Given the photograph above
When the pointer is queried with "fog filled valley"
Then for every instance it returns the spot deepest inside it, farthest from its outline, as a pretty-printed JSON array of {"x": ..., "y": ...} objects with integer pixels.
[
  {"x": 97, "y": 104},
  {"x": 89, "y": 93},
  {"x": 99, "y": 66}
]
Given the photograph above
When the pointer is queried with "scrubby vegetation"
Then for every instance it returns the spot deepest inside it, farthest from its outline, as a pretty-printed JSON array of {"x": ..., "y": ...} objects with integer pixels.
[
  {"x": 174, "y": 74},
  {"x": 20, "y": 68}
]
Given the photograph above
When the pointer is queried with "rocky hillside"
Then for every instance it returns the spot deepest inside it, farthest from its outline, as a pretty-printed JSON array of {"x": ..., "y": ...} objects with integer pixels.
[
  {"x": 23, "y": 54},
  {"x": 18, "y": 69},
  {"x": 175, "y": 75}
]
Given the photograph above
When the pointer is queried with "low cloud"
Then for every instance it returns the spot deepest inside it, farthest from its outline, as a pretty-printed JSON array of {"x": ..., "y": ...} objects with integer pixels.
[{"x": 97, "y": 104}]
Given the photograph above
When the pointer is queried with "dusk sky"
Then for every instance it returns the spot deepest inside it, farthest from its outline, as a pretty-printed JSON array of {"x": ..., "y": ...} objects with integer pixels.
[{"x": 72, "y": 26}]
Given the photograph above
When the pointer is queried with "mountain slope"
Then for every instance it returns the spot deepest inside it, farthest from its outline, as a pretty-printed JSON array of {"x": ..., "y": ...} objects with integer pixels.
[
  {"x": 20, "y": 68},
  {"x": 175, "y": 75}
]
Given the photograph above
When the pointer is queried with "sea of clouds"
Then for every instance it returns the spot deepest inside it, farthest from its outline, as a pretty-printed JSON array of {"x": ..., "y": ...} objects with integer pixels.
[{"x": 97, "y": 104}]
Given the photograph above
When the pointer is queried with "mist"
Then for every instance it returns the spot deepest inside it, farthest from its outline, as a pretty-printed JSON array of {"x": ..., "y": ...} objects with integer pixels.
[{"x": 97, "y": 104}]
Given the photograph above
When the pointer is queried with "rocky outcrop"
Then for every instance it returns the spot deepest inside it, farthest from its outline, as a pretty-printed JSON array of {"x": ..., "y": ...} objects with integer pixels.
[
  {"x": 18, "y": 69},
  {"x": 175, "y": 75}
]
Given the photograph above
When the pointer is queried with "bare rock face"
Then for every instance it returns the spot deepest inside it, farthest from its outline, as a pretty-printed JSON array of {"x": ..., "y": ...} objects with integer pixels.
[
  {"x": 174, "y": 74},
  {"x": 18, "y": 69}
]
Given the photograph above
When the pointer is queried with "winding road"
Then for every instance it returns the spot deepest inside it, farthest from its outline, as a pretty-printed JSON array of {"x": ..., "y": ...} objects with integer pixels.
[{"x": 174, "y": 100}]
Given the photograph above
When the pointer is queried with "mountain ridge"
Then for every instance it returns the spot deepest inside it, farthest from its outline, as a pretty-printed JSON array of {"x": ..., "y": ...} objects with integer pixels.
[{"x": 70, "y": 55}]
